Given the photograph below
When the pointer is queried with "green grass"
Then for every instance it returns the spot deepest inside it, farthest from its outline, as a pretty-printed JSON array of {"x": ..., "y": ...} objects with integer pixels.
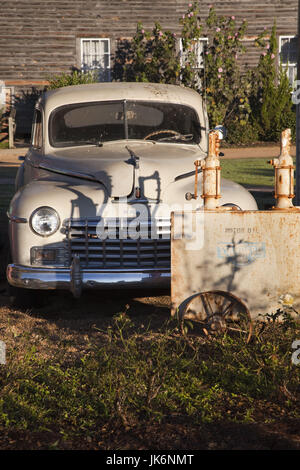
[
  {"x": 135, "y": 376},
  {"x": 248, "y": 171},
  {"x": 255, "y": 174}
]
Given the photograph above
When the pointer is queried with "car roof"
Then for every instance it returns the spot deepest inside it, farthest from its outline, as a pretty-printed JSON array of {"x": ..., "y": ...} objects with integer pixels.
[{"x": 111, "y": 91}]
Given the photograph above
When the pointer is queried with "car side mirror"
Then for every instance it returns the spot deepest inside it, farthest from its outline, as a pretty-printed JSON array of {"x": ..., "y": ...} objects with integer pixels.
[{"x": 222, "y": 132}]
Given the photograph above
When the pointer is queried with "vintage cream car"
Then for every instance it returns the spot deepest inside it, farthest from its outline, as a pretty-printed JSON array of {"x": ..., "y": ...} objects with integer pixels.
[{"x": 107, "y": 164}]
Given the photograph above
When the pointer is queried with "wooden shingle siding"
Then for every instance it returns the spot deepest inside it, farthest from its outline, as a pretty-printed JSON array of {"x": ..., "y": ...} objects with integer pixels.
[{"x": 39, "y": 39}]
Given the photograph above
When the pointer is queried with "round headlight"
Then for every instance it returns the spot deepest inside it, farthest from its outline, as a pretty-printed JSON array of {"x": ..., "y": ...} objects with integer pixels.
[{"x": 44, "y": 221}]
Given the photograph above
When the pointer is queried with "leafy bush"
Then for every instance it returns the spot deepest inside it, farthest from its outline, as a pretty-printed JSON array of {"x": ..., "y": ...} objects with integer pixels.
[
  {"x": 242, "y": 134},
  {"x": 74, "y": 78},
  {"x": 271, "y": 103},
  {"x": 225, "y": 85},
  {"x": 153, "y": 57},
  {"x": 252, "y": 104}
]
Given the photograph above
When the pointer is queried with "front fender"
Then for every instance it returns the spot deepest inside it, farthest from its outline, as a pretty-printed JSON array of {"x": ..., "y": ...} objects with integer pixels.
[
  {"x": 69, "y": 200},
  {"x": 231, "y": 193}
]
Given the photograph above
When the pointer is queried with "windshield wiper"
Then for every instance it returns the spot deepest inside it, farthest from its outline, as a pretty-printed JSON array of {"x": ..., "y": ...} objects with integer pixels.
[{"x": 182, "y": 137}]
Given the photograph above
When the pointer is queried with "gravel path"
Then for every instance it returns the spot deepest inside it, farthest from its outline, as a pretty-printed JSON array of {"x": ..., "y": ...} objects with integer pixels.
[{"x": 255, "y": 152}]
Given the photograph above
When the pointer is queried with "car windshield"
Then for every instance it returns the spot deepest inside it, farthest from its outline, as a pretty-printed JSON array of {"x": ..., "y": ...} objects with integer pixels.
[{"x": 98, "y": 122}]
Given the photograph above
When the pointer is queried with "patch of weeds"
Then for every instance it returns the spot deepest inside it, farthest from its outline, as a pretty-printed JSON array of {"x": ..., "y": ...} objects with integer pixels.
[
  {"x": 137, "y": 376},
  {"x": 4, "y": 145}
]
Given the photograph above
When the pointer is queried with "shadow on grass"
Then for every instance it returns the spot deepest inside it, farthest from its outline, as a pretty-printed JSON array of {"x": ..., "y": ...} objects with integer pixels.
[
  {"x": 266, "y": 172},
  {"x": 97, "y": 308},
  {"x": 220, "y": 435},
  {"x": 168, "y": 436}
]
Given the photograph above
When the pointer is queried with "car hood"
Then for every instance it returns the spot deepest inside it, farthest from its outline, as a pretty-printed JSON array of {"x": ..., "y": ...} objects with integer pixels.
[{"x": 121, "y": 167}]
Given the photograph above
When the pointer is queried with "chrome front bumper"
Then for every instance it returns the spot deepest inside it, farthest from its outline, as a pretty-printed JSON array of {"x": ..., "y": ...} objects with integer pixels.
[{"x": 75, "y": 279}]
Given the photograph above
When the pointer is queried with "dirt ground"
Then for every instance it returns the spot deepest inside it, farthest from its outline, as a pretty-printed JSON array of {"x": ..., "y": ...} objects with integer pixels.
[{"x": 75, "y": 320}]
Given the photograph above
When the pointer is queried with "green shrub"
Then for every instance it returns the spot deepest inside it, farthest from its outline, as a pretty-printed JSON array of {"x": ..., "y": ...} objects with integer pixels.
[
  {"x": 225, "y": 85},
  {"x": 271, "y": 100},
  {"x": 254, "y": 104},
  {"x": 242, "y": 134},
  {"x": 153, "y": 57},
  {"x": 74, "y": 78}
]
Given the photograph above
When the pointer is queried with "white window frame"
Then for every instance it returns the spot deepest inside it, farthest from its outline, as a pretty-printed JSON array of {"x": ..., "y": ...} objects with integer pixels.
[
  {"x": 108, "y": 54},
  {"x": 200, "y": 60},
  {"x": 287, "y": 65}
]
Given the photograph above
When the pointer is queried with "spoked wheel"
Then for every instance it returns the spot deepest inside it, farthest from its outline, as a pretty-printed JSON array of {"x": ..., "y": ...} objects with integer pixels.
[{"x": 216, "y": 312}]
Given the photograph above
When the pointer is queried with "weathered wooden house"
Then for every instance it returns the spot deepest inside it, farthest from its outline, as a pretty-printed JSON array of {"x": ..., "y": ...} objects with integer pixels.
[{"x": 42, "y": 38}]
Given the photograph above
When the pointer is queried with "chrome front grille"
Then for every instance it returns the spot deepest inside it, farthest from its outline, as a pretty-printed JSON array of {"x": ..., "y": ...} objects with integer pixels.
[{"x": 150, "y": 250}]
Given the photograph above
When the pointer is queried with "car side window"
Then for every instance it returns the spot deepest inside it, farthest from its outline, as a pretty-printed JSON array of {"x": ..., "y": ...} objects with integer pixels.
[{"x": 37, "y": 130}]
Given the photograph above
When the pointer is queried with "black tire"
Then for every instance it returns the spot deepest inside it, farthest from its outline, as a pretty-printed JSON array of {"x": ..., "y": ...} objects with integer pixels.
[{"x": 25, "y": 298}]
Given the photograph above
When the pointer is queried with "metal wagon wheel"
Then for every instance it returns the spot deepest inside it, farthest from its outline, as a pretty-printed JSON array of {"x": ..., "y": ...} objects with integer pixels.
[{"x": 216, "y": 312}]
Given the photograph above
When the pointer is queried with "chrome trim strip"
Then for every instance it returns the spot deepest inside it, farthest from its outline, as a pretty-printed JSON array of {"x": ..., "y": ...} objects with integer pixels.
[
  {"x": 17, "y": 220},
  {"x": 60, "y": 278},
  {"x": 71, "y": 173}
]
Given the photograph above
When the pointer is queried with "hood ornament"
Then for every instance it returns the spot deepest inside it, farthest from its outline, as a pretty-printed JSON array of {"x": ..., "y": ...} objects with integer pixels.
[{"x": 135, "y": 160}]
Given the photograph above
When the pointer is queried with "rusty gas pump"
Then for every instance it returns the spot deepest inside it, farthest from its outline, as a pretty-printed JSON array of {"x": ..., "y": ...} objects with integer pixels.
[
  {"x": 211, "y": 189},
  {"x": 211, "y": 181},
  {"x": 284, "y": 174}
]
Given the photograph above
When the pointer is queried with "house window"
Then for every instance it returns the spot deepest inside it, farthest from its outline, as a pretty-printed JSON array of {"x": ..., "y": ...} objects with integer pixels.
[
  {"x": 95, "y": 55},
  {"x": 198, "y": 48},
  {"x": 288, "y": 55}
]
